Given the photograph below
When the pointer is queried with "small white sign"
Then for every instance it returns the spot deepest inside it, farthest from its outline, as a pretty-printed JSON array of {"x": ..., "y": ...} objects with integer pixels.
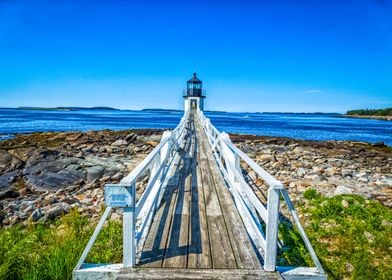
[{"x": 118, "y": 196}]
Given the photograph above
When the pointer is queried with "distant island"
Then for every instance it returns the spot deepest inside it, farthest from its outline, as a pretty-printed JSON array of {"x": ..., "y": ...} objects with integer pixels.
[
  {"x": 160, "y": 110},
  {"x": 382, "y": 114},
  {"x": 66, "y": 108}
]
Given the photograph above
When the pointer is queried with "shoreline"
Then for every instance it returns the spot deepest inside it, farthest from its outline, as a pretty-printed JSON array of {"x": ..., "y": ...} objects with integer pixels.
[
  {"x": 381, "y": 118},
  {"x": 8, "y": 136},
  {"x": 45, "y": 174}
]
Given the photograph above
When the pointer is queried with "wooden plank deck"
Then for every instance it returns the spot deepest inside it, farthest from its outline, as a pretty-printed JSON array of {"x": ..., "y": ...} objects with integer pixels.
[{"x": 197, "y": 227}]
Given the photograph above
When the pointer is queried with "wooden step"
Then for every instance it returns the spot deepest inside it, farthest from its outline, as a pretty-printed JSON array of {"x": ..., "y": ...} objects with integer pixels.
[{"x": 187, "y": 274}]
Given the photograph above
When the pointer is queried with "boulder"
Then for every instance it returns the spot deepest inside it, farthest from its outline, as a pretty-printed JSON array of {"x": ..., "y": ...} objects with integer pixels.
[
  {"x": 9, "y": 194},
  {"x": 52, "y": 174},
  {"x": 73, "y": 137},
  {"x": 95, "y": 172},
  {"x": 3, "y": 214},
  {"x": 301, "y": 172},
  {"x": 36, "y": 215},
  {"x": 152, "y": 143},
  {"x": 53, "y": 181},
  {"x": 342, "y": 190},
  {"x": 56, "y": 211},
  {"x": 131, "y": 137},
  {"x": 24, "y": 153},
  {"x": 120, "y": 143},
  {"x": 7, "y": 179},
  {"x": 118, "y": 176},
  {"x": 379, "y": 144},
  {"x": 9, "y": 162},
  {"x": 266, "y": 158}
]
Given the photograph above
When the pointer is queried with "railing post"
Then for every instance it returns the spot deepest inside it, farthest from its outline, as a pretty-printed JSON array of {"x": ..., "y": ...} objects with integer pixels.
[
  {"x": 166, "y": 147},
  {"x": 272, "y": 228},
  {"x": 231, "y": 157},
  {"x": 129, "y": 242}
]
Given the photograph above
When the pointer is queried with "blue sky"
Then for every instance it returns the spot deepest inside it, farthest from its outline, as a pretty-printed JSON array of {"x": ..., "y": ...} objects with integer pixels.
[{"x": 298, "y": 56}]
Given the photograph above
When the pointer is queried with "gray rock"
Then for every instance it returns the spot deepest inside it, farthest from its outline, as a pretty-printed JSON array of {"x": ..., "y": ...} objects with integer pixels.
[
  {"x": 387, "y": 182},
  {"x": 346, "y": 172},
  {"x": 73, "y": 167},
  {"x": 104, "y": 179},
  {"x": 95, "y": 172},
  {"x": 53, "y": 181},
  {"x": 38, "y": 155},
  {"x": 363, "y": 180},
  {"x": 301, "y": 172},
  {"x": 66, "y": 207},
  {"x": 138, "y": 149},
  {"x": 9, "y": 194},
  {"x": 131, "y": 137},
  {"x": 342, "y": 190},
  {"x": 36, "y": 215},
  {"x": 3, "y": 214},
  {"x": 56, "y": 211},
  {"x": 118, "y": 176},
  {"x": 349, "y": 267},
  {"x": 52, "y": 174},
  {"x": 119, "y": 143},
  {"x": 7, "y": 179},
  {"x": 9, "y": 162}
]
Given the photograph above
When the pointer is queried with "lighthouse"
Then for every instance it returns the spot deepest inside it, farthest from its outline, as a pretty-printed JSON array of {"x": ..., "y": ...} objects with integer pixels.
[{"x": 193, "y": 98}]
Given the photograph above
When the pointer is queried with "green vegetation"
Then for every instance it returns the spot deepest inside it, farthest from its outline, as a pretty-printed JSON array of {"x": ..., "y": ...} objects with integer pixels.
[
  {"x": 351, "y": 236},
  {"x": 52, "y": 251},
  {"x": 370, "y": 112}
]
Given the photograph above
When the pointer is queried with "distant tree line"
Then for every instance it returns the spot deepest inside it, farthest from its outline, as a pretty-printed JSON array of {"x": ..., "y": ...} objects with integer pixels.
[{"x": 371, "y": 112}]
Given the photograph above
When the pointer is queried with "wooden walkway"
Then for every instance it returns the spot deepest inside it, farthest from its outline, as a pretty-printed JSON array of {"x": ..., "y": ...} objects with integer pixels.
[{"x": 196, "y": 232}]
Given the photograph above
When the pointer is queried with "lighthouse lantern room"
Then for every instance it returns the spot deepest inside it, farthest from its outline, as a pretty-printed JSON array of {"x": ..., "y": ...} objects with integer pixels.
[{"x": 194, "y": 99}]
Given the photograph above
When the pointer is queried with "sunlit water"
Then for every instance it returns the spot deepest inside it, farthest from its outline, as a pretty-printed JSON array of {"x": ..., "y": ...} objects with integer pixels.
[{"x": 301, "y": 126}]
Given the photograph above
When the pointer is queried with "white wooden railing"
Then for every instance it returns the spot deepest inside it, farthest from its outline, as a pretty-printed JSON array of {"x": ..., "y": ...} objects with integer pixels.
[
  {"x": 137, "y": 216},
  {"x": 253, "y": 212}
]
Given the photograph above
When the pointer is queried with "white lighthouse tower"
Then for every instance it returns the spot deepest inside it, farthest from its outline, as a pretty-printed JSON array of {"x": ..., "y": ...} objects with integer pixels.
[{"x": 194, "y": 99}]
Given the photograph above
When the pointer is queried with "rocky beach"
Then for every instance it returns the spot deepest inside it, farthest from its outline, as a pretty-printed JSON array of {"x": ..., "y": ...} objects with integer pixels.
[{"x": 44, "y": 175}]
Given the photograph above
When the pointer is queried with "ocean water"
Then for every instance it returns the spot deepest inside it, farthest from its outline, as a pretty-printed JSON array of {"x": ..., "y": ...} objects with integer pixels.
[{"x": 301, "y": 126}]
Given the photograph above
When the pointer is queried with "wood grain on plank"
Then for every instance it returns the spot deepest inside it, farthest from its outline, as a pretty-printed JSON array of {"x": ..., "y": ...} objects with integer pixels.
[
  {"x": 221, "y": 250},
  {"x": 157, "y": 238},
  {"x": 243, "y": 250}
]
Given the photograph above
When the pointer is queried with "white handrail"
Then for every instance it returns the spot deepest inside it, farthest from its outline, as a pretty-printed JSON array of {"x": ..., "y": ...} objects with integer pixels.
[
  {"x": 139, "y": 215},
  {"x": 227, "y": 157}
]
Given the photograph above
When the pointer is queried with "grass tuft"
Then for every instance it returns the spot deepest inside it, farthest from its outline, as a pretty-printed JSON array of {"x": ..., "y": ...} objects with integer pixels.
[
  {"x": 352, "y": 237},
  {"x": 51, "y": 251}
]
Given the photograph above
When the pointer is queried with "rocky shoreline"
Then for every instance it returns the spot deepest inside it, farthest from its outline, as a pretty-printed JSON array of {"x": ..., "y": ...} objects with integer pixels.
[
  {"x": 44, "y": 175},
  {"x": 383, "y": 118},
  {"x": 330, "y": 167}
]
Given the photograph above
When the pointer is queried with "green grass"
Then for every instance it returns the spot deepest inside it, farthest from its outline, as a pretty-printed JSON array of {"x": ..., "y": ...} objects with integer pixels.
[
  {"x": 52, "y": 251},
  {"x": 351, "y": 236}
]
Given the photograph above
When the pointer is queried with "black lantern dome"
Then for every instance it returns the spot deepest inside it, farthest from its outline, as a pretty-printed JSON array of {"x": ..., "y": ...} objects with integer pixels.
[{"x": 194, "y": 87}]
